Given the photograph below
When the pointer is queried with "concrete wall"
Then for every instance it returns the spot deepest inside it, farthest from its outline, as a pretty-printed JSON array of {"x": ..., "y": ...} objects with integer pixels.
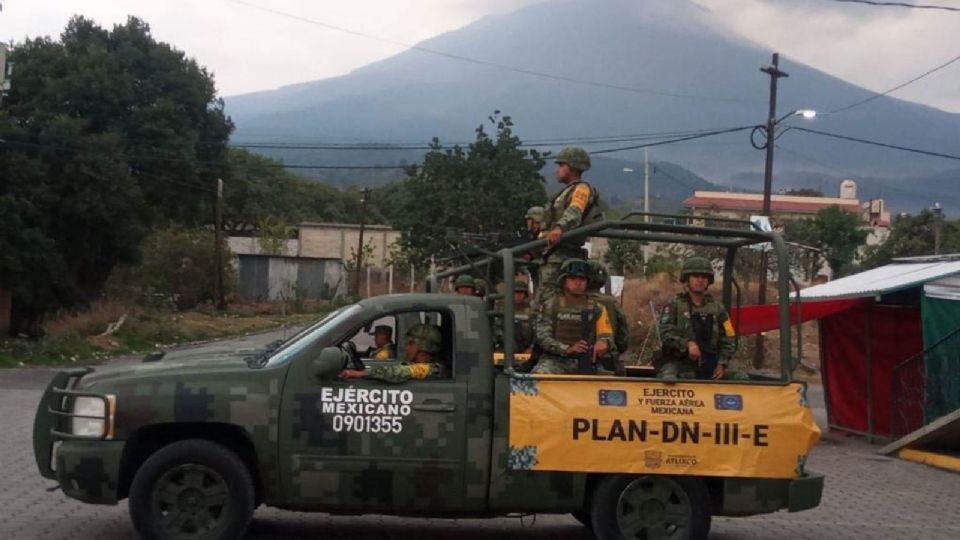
[{"x": 341, "y": 241}]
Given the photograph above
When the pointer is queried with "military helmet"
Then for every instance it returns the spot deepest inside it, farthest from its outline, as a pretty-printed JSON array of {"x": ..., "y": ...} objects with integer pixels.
[
  {"x": 521, "y": 286},
  {"x": 463, "y": 280},
  {"x": 574, "y": 156},
  {"x": 535, "y": 213},
  {"x": 480, "y": 286},
  {"x": 696, "y": 266},
  {"x": 573, "y": 267},
  {"x": 598, "y": 275},
  {"x": 426, "y": 337}
]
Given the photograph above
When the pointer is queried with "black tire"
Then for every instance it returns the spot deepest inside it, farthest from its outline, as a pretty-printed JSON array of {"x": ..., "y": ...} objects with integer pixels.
[
  {"x": 650, "y": 506},
  {"x": 192, "y": 490},
  {"x": 583, "y": 517}
]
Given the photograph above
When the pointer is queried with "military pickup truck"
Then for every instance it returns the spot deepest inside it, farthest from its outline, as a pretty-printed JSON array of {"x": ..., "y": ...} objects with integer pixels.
[{"x": 197, "y": 439}]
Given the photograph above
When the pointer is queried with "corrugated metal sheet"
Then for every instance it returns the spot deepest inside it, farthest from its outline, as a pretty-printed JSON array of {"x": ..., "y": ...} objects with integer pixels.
[
  {"x": 883, "y": 280},
  {"x": 947, "y": 288},
  {"x": 253, "y": 272}
]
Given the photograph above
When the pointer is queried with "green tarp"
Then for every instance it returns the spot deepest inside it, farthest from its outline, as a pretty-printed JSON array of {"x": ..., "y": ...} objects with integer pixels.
[{"x": 941, "y": 341}]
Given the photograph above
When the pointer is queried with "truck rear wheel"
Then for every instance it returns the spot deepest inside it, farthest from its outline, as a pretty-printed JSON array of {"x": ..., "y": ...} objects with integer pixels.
[
  {"x": 650, "y": 507},
  {"x": 192, "y": 490}
]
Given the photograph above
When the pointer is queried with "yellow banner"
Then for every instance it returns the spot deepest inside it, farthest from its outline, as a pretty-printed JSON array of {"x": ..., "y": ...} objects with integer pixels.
[{"x": 654, "y": 427}]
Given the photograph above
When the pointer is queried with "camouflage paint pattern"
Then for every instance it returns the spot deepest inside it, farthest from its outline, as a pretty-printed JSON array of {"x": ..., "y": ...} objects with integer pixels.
[
  {"x": 450, "y": 458},
  {"x": 676, "y": 329}
]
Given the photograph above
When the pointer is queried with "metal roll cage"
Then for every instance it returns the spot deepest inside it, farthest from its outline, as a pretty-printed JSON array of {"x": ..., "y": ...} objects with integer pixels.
[{"x": 730, "y": 234}]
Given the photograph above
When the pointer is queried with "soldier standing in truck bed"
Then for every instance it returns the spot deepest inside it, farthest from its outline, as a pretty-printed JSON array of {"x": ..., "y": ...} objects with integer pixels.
[
  {"x": 568, "y": 210},
  {"x": 698, "y": 337}
]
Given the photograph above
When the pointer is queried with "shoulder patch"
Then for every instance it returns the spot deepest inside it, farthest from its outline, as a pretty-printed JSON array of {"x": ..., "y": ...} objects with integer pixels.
[
  {"x": 581, "y": 196},
  {"x": 728, "y": 328}
]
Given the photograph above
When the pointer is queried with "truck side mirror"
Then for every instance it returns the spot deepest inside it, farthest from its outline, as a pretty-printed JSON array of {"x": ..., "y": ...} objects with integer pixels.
[{"x": 328, "y": 364}]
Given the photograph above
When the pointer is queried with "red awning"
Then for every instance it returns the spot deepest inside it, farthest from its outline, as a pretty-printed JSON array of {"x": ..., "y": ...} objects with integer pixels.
[{"x": 749, "y": 320}]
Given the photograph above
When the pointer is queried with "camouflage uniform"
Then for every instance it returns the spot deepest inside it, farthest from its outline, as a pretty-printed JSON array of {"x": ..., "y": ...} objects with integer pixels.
[
  {"x": 559, "y": 322},
  {"x": 679, "y": 322},
  {"x": 523, "y": 318},
  {"x": 427, "y": 339},
  {"x": 568, "y": 210},
  {"x": 464, "y": 280},
  {"x": 621, "y": 327}
]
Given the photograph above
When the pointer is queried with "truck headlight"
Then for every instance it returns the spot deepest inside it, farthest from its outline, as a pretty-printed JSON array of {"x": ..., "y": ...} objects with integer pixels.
[{"x": 93, "y": 417}]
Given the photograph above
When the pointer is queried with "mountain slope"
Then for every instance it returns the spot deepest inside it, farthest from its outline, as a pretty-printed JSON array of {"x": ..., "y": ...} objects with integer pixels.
[{"x": 669, "y": 45}]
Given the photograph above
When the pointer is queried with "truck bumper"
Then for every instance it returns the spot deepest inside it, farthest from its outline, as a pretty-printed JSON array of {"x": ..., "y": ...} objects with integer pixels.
[
  {"x": 90, "y": 470},
  {"x": 751, "y": 496}
]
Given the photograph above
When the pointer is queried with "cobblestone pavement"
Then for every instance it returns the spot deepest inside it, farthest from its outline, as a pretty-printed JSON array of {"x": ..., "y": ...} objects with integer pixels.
[{"x": 867, "y": 497}]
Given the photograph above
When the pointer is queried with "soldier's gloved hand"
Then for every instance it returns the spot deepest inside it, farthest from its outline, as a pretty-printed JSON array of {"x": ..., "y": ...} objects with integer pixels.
[
  {"x": 599, "y": 349},
  {"x": 578, "y": 348},
  {"x": 554, "y": 236},
  {"x": 693, "y": 351},
  {"x": 719, "y": 371},
  {"x": 352, "y": 374}
]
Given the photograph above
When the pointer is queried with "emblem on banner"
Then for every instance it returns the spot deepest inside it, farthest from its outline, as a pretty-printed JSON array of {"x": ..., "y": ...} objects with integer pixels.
[
  {"x": 612, "y": 398},
  {"x": 728, "y": 402},
  {"x": 652, "y": 459}
]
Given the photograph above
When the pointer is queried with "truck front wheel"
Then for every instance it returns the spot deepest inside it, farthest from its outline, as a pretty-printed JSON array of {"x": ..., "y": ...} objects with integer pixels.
[
  {"x": 650, "y": 507},
  {"x": 192, "y": 489}
]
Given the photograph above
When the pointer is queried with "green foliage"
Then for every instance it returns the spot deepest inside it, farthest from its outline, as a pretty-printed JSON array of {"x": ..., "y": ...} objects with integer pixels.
[
  {"x": 837, "y": 233},
  {"x": 273, "y": 236},
  {"x": 484, "y": 188},
  {"x": 351, "y": 264},
  {"x": 625, "y": 257},
  {"x": 180, "y": 264},
  {"x": 805, "y": 192},
  {"x": 104, "y": 133},
  {"x": 912, "y": 236}
]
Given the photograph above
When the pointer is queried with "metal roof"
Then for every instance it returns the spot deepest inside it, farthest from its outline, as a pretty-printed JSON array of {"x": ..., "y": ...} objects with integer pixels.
[{"x": 886, "y": 279}]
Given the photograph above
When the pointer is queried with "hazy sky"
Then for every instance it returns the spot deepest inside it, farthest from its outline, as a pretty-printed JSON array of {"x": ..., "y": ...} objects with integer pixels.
[{"x": 249, "y": 50}]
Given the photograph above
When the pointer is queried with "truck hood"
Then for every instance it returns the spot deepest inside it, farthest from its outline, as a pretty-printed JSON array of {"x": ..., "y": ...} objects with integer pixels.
[{"x": 190, "y": 364}]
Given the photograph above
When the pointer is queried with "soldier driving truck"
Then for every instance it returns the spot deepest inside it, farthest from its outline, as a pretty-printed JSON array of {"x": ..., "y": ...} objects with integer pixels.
[{"x": 195, "y": 440}]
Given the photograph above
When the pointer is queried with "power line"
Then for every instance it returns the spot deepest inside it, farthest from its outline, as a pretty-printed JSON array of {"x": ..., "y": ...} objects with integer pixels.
[
  {"x": 898, "y": 87},
  {"x": 876, "y": 143},
  {"x": 505, "y": 67},
  {"x": 672, "y": 141},
  {"x": 897, "y": 4},
  {"x": 378, "y": 146}
]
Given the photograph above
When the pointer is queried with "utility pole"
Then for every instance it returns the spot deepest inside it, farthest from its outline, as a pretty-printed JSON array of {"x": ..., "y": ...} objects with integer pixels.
[
  {"x": 937, "y": 227},
  {"x": 646, "y": 185},
  {"x": 218, "y": 248},
  {"x": 363, "y": 224},
  {"x": 775, "y": 74}
]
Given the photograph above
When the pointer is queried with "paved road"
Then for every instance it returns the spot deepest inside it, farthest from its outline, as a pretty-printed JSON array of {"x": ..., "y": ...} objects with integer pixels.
[{"x": 867, "y": 497}]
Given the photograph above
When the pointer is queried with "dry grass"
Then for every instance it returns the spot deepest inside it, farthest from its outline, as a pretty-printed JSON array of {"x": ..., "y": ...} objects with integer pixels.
[{"x": 90, "y": 322}]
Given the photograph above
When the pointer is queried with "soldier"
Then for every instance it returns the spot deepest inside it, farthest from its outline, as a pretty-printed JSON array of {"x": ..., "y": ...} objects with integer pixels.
[
  {"x": 566, "y": 211},
  {"x": 479, "y": 287},
  {"x": 464, "y": 285},
  {"x": 423, "y": 359},
  {"x": 621, "y": 327},
  {"x": 534, "y": 221},
  {"x": 383, "y": 348},
  {"x": 560, "y": 323},
  {"x": 697, "y": 335},
  {"x": 523, "y": 327}
]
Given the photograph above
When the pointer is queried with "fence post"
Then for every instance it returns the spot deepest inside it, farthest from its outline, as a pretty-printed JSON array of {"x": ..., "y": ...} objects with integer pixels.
[{"x": 390, "y": 279}]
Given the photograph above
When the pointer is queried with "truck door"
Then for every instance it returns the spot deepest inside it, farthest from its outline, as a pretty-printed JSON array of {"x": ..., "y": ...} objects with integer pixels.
[{"x": 374, "y": 446}]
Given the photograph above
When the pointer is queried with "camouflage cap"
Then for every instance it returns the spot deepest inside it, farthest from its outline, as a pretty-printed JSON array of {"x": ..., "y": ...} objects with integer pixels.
[
  {"x": 598, "y": 275},
  {"x": 426, "y": 337},
  {"x": 695, "y": 266},
  {"x": 463, "y": 280},
  {"x": 535, "y": 213},
  {"x": 574, "y": 156},
  {"x": 480, "y": 285},
  {"x": 573, "y": 267},
  {"x": 521, "y": 286}
]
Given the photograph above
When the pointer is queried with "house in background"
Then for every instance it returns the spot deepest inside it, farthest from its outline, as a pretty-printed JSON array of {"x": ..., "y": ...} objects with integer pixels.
[{"x": 308, "y": 264}]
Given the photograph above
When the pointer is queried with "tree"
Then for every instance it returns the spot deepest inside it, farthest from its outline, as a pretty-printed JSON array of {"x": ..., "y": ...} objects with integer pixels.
[
  {"x": 484, "y": 188},
  {"x": 912, "y": 236},
  {"x": 838, "y": 234},
  {"x": 625, "y": 257},
  {"x": 106, "y": 134},
  {"x": 804, "y": 192}
]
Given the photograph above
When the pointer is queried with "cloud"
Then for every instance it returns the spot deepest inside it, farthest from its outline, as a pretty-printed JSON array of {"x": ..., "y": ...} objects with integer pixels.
[{"x": 874, "y": 47}]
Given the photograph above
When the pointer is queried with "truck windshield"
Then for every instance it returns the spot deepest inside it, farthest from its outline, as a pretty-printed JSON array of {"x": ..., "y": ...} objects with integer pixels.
[{"x": 310, "y": 334}]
